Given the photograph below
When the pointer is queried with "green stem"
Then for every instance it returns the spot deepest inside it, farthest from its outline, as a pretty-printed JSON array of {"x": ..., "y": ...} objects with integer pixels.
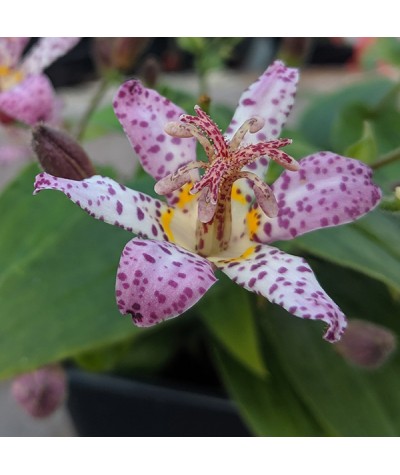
[
  {"x": 95, "y": 101},
  {"x": 390, "y": 157}
]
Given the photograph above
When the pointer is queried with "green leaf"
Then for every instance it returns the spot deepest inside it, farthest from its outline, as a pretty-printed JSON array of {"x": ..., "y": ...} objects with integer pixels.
[
  {"x": 383, "y": 121},
  {"x": 347, "y": 401},
  {"x": 317, "y": 121},
  {"x": 388, "y": 177},
  {"x": 229, "y": 317},
  {"x": 390, "y": 204},
  {"x": 364, "y": 149},
  {"x": 57, "y": 279},
  {"x": 146, "y": 353},
  {"x": 269, "y": 406},
  {"x": 371, "y": 246}
]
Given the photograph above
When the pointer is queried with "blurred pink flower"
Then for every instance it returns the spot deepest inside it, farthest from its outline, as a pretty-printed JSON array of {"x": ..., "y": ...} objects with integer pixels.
[{"x": 26, "y": 93}]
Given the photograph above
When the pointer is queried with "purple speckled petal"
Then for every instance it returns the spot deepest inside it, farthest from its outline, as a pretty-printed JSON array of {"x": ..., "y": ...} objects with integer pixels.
[
  {"x": 157, "y": 281},
  {"x": 271, "y": 97},
  {"x": 143, "y": 114},
  {"x": 11, "y": 50},
  {"x": 328, "y": 190},
  {"x": 287, "y": 281},
  {"x": 111, "y": 202},
  {"x": 30, "y": 101},
  {"x": 45, "y": 52}
]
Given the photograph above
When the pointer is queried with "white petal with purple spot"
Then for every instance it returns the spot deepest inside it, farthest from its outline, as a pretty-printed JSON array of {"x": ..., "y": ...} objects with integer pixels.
[
  {"x": 143, "y": 113},
  {"x": 157, "y": 281},
  {"x": 328, "y": 190},
  {"x": 108, "y": 201},
  {"x": 287, "y": 281},
  {"x": 271, "y": 97}
]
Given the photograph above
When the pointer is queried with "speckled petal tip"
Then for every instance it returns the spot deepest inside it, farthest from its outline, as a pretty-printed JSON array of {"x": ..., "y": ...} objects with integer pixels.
[
  {"x": 287, "y": 281},
  {"x": 45, "y": 52},
  {"x": 143, "y": 114},
  {"x": 328, "y": 190},
  {"x": 158, "y": 281},
  {"x": 30, "y": 101},
  {"x": 107, "y": 200},
  {"x": 271, "y": 98}
]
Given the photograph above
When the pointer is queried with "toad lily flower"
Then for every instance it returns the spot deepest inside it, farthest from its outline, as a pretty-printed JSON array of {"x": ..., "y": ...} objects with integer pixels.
[
  {"x": 26, "y": 94},
  {"x": 227, "y": 217}
]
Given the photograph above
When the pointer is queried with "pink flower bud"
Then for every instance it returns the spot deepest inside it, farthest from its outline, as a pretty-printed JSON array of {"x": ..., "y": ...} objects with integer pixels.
[
  {"x": 366, "y": 344},
  {"x": 60, "y": 155},
  {"x": 41, "y": 392},
  {"x": 120, "y": 54}
]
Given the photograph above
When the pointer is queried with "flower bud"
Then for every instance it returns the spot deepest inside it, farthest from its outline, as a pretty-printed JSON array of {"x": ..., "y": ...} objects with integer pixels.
[
  {"x": 60, "y": 155},
  {"x": 41, "y": 392},
  {"x": 366, "y": 344},
  {"x": 120, "y": 54},
  {"x": 150, "y": 71}
]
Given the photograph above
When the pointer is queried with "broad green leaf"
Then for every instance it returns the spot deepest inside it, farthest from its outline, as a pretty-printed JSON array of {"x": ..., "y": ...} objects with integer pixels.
[
  {"x": 317, "y": 121},
  {"x": 371, "y": 246},
  {"x": 364, "y": 149},
  {"x": 269, "y": 406},
  {"x": 57, "y": 279},
  {"x": 145, "y": 354},
  {"x": 346, "y": 400},
  {"x": 350, "y": 122},
  {"x": 229, "y": 317},
  {"x": 387, "y": 177}
]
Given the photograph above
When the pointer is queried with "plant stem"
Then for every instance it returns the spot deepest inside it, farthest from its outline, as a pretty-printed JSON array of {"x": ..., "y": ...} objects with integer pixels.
[
  {"x": 95, "y": 101},
  {"x": 390, "y": 157}
]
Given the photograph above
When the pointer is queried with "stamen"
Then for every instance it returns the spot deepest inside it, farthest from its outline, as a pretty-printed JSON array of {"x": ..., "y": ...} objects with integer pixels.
[
  {"x": 177, "y": 129},
  {"x": 209, "y": 129},
  {"x": 250, "y": 153},
  {"x": 215, "y": 174},
  {"x": 252, "y": 125},
  {"x": 174, "y": 181},
  {"x": 284, "y": 160},
  {"x": 263, "y": 193},
  {"x": 206, "y": 208}
]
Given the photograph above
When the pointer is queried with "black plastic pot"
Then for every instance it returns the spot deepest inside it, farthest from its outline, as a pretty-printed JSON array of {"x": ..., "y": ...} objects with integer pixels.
[{"x": 108, "y": 406}]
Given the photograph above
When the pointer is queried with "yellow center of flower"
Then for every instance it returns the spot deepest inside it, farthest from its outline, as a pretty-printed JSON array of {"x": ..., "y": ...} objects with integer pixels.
[
  {"x": 9, "y": 77},
  {"x": 216, "y": 190}
]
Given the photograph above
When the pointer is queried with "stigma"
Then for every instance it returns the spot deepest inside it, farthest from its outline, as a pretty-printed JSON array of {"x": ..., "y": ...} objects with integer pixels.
[{"x": 226, "y": 161}]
